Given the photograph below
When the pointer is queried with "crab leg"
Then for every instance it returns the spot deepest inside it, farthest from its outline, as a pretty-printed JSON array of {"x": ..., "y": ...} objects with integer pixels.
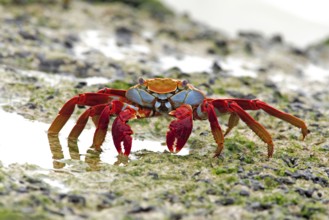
[
  {"x": 93, "y": 112},
  {"x": 254, "y": 125},
  {"x": 257, "y": 104},
  {"x": 89, "y": 99},
  {"x": 112, "y": 108},
  {"x": 284, "y": 116},
  {"x": 215, "y": 127},
  {"x": 180, "y": 129},
  {"x": 229, "y": 105},
  {"x": 116, "y": 92},
  {"x": 232, "y": 122}
]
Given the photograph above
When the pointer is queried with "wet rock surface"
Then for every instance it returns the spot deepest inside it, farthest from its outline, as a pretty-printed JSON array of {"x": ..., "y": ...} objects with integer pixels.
[{"x": 49, "y": 54}]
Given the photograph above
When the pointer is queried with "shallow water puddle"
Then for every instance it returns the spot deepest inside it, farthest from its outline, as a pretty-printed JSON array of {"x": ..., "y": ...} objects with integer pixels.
[
  {"x": 25, "y": 141},
  {"x": 54, "y": 80}
]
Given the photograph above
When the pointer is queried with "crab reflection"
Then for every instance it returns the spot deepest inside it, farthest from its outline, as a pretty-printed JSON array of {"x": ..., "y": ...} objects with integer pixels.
[
  {"x": 57, "y": 151},
  {"x": 92, "y": 156}
]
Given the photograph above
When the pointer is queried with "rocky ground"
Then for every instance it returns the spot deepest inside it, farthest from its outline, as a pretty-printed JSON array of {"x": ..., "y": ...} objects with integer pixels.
[{"x": 48, "y": 54}]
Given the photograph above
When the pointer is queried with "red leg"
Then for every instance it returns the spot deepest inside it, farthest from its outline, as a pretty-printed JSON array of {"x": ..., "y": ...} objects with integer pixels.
[
  {"x": 255, "y": 126},
  {"x": 83, "y": 119},
  {"x": 89, "y": 99},
  {"x": 284, "y": 116},
  {"x": 215, "y": 127},
  {"x": 180, "y": 129},
  {"x": 232, "y": 122},
  {"x": 229, "y": 105},
  {"x": 257, "y": 105},
  {"x": 116, "y": 92},
  {"x": 113, "y": 108}
]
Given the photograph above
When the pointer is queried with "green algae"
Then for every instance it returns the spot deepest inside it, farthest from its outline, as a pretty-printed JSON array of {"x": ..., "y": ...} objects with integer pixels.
[
  {"x": 279, "y": 199},
  {"x": 314, "y": 211},
  {"x": 224, "y": 170},
  {"x": 10, "y": 214},
  {"x": 119, "y": 84}
]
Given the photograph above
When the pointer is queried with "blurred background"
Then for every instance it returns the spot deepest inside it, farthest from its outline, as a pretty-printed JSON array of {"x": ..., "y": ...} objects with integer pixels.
[{"x": 300, "y": 22}]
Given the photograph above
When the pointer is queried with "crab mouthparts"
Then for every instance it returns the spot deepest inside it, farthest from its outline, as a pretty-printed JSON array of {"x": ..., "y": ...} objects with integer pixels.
[{"x": 163, "y": 106}]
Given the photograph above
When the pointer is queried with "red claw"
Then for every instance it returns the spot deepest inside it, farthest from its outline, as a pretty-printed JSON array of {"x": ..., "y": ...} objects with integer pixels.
[
  {"x": 180, "y": 129},
  {"x": 121, "y": 131}
]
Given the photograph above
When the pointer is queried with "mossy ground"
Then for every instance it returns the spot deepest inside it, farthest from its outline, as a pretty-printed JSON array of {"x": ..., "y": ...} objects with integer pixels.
[{"x": 241, "y": 184}]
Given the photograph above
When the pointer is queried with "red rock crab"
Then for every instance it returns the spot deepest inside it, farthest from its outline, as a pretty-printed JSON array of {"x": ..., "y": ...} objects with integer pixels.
[{"x": 155, "y": 97}]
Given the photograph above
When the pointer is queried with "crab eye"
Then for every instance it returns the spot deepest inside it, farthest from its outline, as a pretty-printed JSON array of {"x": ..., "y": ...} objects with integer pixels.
[
  {"x": 141, "y": 81},
  {"x": 183, "y": 85}
]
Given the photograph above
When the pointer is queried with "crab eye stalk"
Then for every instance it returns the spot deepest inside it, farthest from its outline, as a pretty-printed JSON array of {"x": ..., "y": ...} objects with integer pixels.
[
  {"x": 141, "y": 81},
  {"x": 183, "y": 84}
]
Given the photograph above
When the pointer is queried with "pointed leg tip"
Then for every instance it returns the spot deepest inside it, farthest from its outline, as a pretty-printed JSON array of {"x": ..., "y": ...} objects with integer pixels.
[
  {"x": 305, "y": 132},
  {"x": 218, "y": 152},
  {"x": 270, "y": 150}
]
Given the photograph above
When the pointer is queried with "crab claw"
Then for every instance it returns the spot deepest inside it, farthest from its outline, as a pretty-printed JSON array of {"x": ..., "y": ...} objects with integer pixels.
[
  {"x": 121, "y": 131},
  {"x": 180, "y": 129}
]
